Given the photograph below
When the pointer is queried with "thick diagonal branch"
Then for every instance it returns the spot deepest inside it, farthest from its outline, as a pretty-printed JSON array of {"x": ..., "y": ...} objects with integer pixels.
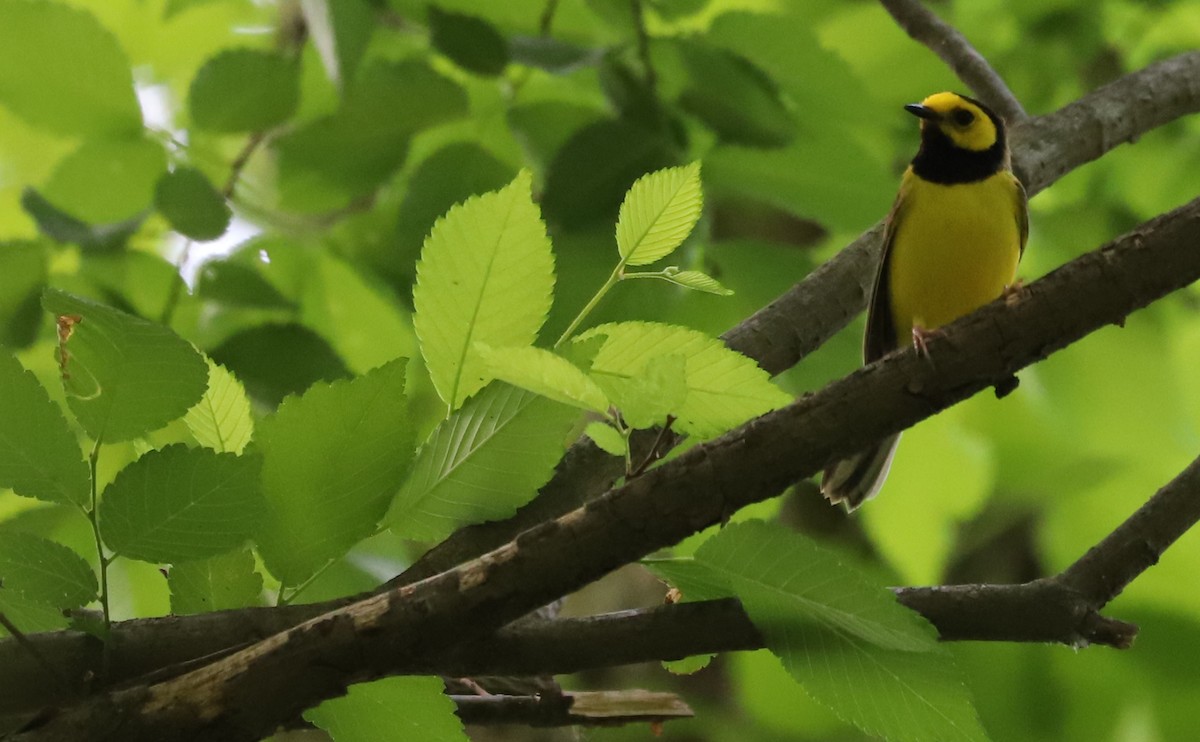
[{"x": 245, "y": 695}]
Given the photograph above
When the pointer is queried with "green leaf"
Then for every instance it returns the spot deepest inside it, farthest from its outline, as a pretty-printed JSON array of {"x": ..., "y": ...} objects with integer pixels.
[
  {"x": 658, "y": 214},
  {"x": 391, "y": 710},
  {"x": 608, "y": 438},
  {"x": 838, "y": 631},
  {"x": 340, "y": 31},
  {"x": 243, "y": 90},
  {"x": 544, "y": 373},
  {"x": 724, "y": 388},
  {"x": 44, "y": 571},
  {"x": 63, "y": 71},
  {"x": 363, "y": 321},
  {"x": 39, "y": 456},
  {"x": 179, "y": 504},
  {"x": 327, "y": 162},
  {"x": 123, "y": 376},
  {"x": 219, "y": 583},
  {"x": 29, "y": 616},
  {"x": 23, "y": 269},
  {"x": 332, "y": 460},
  {"x": 482, "y": 463},
  {"x": 62, "y": 227},
  {"x": 471, "y": 43},
  {"x": 107, "y": 180},
  {"x": 695, "y": 280},
  {"x": 275, "y": 360},
  {"x": 221, "y": 420},
  {"x": 589, "y": 175},
  {"x": 553, "y": 55},
  {"x": 659, "y": 390},
  {"x": 486, "y": 275},
  {"x": 191, "y": 204}
]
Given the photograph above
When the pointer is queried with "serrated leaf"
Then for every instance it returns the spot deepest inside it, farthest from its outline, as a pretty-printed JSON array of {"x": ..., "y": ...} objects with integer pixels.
[
  {"x": 332, "y": 460},
  {"x": 470, "y": 42},
  {"x": 221, "y": 420},
  {"x": 243, "y": 90},
  {"x": 29, "y": 616},
  {"x": 724, "y": 388},
  {"x": 391, "y": 710},
  {"x": 44, "y": 571},
  {"x": 222, "y": 582},
  {"x": 608, "y": 438},
  {"x": 482, "y": 463},
  {"x": 123, "y": 376},
  {"x": 178, "y": 504},
  {"x": 659, "y": 390},
  {"x": 486, "y": 275},
  {"x": 39, "y": 456},
  {"x": 838, "y": 632},
  {"x": 107, "y": 180},
  {"x": 545, "y": 373},
  {"x": 63, "y": 71},
  {"x": 191, "y": 204},
  {"x": 697, "y": 281},
  {"x": 658, "y": 214}
]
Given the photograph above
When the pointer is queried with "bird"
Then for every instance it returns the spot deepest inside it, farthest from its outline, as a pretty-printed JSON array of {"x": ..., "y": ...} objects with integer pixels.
[{"x": 951, "y": 244}]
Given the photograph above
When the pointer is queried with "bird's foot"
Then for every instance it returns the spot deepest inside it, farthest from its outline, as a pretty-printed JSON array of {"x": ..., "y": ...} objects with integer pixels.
[
  {"x": 920, "y": 339},
  {"x": 1012, "y": 291}
]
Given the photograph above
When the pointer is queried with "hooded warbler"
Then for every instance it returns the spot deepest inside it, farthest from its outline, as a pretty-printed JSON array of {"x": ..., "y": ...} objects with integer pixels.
[{"x": 950, "y": 245}]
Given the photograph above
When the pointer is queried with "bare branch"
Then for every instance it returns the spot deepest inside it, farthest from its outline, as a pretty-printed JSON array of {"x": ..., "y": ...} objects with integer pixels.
[
  {"x": 953, "y": 48},
  {"x": 239, "y": 697}
]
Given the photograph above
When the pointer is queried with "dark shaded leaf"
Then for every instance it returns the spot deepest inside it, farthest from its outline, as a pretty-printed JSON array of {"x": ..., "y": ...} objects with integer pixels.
[
  {"x": 243, "y": 90},
  {"x": 274, "y": 361},
  {"x": 191, "y": 204},
  {"x": 470, "y": 42}
]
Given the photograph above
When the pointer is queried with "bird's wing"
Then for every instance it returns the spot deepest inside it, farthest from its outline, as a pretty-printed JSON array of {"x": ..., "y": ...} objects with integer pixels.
[
  {"x": 1022, "y": 210},
  {"x": 880, "y": 338}
]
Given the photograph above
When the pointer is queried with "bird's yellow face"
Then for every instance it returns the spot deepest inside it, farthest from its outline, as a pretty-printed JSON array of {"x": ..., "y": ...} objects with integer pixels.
[{"x": 966, "y": 124}]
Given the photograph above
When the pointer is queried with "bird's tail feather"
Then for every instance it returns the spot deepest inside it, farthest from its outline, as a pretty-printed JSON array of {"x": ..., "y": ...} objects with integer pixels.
[{"x": 857, "y": 479}]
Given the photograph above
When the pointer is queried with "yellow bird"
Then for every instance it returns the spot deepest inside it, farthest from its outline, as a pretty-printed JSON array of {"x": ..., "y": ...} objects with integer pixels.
[{"x": 950, "y": 245}]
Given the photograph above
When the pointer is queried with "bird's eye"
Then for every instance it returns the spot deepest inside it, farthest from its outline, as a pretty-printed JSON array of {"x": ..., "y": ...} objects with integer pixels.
[{"x": 963, "y": 117}]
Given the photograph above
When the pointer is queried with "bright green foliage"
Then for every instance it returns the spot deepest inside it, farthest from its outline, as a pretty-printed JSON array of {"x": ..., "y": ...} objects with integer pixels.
[
  {"x": 658, "y": 214},
  {"x": 22, "y": 277},
  {"x": 332, "y": 460},
  {"x": 241, "y": 90},
  {"x": 472, "y": 43},
  {"x": 222, "y": 582},
  {"x": 482, "y": 463},
  {"x": 107, "y": 180},
  {"x": 486, "y": 275},
  {"x": 190, "y": 202},
  {"x": 658, "y": 390},
  {"x": 724, "y": 388},
  {"x": 180, "y": 504},
  {"x": 123, "y": 376},
  {"x": 390, "y": 710},
  {"x": 39, "y": 456},
  {"x": 695, "y": 280},
  {"x": 221, "y": 419},
  {"x": 839, "y": 632},
  {"x": 608, "y": 438},
  {"x": 45, "y": 572},
  {"x": 63, "y": 71},
  {"x": 544, "y": 373}
]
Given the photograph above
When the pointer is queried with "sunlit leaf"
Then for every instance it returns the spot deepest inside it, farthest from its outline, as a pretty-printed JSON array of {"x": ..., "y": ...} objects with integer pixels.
[
  {"x": 332, "y": 460},
  {"x": 222, "y": 582},
  {"x": 221, "y": 420},
  {"x": 486, "y": 276},
  {"x": 486, "y": 460},
  {"x": 545, "y": 373},
  {"x": 391, "y": 710},
  {"x": 608, "y": 438},
  {"x": 178, "y": 504},
  {"x": 658, "y": 214},
  {"x": 123, "y": 376},
  {"x": 697, "y": 281}
]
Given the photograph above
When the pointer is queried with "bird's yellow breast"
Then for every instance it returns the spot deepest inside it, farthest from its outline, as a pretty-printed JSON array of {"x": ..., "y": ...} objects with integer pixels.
[{"x": 954, "y": 248}]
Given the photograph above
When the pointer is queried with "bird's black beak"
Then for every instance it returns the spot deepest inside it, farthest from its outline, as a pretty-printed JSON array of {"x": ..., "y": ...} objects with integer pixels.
[{"x": 922, "y": 112}]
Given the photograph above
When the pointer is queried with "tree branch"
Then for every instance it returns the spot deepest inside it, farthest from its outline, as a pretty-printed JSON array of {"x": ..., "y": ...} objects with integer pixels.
[
  {"x": 594, "y": 708},
  {"x": 953, "y": 48},
  {"x": 240, "y": 697},
  {"x": 778, "y": 336}
]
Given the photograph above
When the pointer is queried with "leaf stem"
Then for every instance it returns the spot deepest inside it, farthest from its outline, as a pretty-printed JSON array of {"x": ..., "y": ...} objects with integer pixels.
[
  {"x": 94, "y": 519},
  {"x": 617, "y": 274}
]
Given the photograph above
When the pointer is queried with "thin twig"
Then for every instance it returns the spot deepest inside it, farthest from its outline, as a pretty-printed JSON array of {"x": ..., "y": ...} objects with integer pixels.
[
  {"x": 954, "y": 49},
  {"x": 239, "y": 162},
  {"x": 643, "y": 45}
]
